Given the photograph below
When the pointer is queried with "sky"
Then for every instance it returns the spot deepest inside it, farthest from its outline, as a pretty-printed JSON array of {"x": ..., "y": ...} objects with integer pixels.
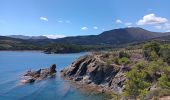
[{"x": 59, "y": 18}]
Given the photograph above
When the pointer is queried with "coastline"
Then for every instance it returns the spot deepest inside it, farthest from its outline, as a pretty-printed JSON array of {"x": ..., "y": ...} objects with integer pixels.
[
  {"x": 90, "y": 89},
  {"x": 40, "y": 51},
  {"x": 23, "y": 50}
]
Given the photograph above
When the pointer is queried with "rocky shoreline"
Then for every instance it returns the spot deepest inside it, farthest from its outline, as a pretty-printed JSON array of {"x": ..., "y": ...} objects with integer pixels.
[
  {"x": 91, "y": 72},
  {"x": 94, "y": 73}
]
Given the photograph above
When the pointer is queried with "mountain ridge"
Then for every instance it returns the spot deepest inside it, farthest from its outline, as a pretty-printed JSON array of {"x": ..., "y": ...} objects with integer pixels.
[
  {"x": 108, "y": 39},
  {"x": 115, "y": 36},
  {"x": 26, "y": 37}
]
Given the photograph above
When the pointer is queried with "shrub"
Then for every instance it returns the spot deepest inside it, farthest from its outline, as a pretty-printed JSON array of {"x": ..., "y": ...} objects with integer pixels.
[
  {"x": 116, "y": 60},
  {"x": 151, "y": 50},
  {"x": 123, "y": 54},
  {"x": 124, "y": 61},
  {"x": 155, "y": 69},
  {"x": 136, "y": 86},
  {"x": 165, "y": 53},
  {"x": 109, "y": 62},
  {"x": 164, "y": 82}
]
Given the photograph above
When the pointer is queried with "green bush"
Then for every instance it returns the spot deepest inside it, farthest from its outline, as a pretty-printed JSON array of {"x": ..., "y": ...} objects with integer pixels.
[
  {"x": 165, "y": 53},
  {"x": 155, "y": 69},
  {"x": 116, "y": 60},
  {"x": 123, "y": 54},
  {"x": 124, "y": 61},
  {"x": 109, "y": 62},
  {"x": 151, "y": 50},
  {"x": 164, "y": 82},
  {"x": 136, "y": 86}
]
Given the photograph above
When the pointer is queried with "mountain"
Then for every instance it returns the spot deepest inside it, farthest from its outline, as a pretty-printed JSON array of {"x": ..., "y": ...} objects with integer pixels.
[
  {"x": 113, "y": 37},
  {"x": 163, "y": 38},
  {"x": 8, "y": 43},
  {"x": 108, "y": 39},
  {"x": 27, "y": 37}
]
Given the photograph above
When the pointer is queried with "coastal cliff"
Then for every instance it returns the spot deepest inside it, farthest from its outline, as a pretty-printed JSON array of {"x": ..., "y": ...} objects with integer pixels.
[
  {"x": 128, "y": 74},
  {"x": 93, "y": 70}
]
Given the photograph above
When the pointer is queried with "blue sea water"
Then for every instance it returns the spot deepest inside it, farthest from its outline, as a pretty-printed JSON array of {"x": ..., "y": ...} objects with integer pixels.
[{"x": 13, "y": 64}]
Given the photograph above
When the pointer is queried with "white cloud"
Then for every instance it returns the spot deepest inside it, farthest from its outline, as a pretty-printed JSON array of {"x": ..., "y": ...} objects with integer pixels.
[
  {"x": 43, "y": 18},
  {"x": 95, "y": 27},
  {"x": 168, "y": 31},
  {"x": 60, "y": 21},
  {"x": 54, "y": 36},
  {"x": 84, "y": 28},
  {"x": 63, "y": 21},
  {"x": 151, "y": 19},
  {"x": 118, "y": 21},
  {"x": 158, "y": 27},
  {"x": 165, "y": 26},
  {"x": 129, "y": 26}
]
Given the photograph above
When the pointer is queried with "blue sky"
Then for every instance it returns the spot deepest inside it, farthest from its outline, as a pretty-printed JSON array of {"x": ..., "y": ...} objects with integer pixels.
[{"x": 81, "y": 17}]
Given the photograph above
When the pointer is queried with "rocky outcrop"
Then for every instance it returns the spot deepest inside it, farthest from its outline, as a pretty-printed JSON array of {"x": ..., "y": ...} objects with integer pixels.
[
  {"x": 32, "y": 76},
  {"x": 90, "y": 69}
]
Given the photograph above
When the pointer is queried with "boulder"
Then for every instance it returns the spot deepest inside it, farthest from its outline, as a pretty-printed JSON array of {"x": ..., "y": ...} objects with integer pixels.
[
  {"x": 40, "y": 74},
  {"x": 53, "y": 68},
  {"x": 28, "y": 80}
]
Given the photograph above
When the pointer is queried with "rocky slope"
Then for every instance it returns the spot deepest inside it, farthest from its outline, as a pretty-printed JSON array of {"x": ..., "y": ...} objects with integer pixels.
[{"x": 92, "y": 70}]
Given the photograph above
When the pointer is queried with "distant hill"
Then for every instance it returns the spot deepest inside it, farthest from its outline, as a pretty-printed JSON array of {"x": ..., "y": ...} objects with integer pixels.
[
  {"x": 163, "y": 38},
  {"x": 27, "y": 37},
  {"x": 113, "y": 37},
  {"x": 108, "y": 39},
  {"x": 7, "y": 43}
]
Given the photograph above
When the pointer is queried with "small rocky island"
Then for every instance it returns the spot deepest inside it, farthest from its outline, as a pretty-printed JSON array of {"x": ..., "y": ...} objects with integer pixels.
[{"x": 32, "y": 76}]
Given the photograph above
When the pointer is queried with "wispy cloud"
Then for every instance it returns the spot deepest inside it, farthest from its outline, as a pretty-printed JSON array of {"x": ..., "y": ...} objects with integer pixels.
[
  {"x": 64, "y": 21},
  {"x": 159, "y": 23},
  {"x": 168, "y": 31},
  {"x": 158, "y": 27},
  {"x": 60, "y": 21},
  {"x": 54, "y": 36},
  {"x": 118, "y": 21},
  {"x": 165, "y": 26},
  {"x": 43, "y": 18},
  {"x": 84, "y": 28},
  {"x": 151, "y": 19},
  {"x": 95, "y": 27}
]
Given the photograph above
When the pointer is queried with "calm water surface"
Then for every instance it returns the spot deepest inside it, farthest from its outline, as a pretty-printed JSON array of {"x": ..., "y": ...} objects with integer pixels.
[{"x": 13, "y": 64}]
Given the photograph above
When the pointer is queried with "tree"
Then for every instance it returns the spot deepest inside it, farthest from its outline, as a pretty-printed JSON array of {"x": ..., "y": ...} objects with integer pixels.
[
  {"x": 155, "y": 69},
  {"x": 152, "y": 46},
  {"x": 151, "y": 50},
  {"x": 153, "y": 56},
  {"x": 164, "y": 82},
  {"x": 123, "y": 54},
  {"x": 124, "y": 61},
  {"x": 165, "y": 53},
  {"x": 136, "y": 86}
]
